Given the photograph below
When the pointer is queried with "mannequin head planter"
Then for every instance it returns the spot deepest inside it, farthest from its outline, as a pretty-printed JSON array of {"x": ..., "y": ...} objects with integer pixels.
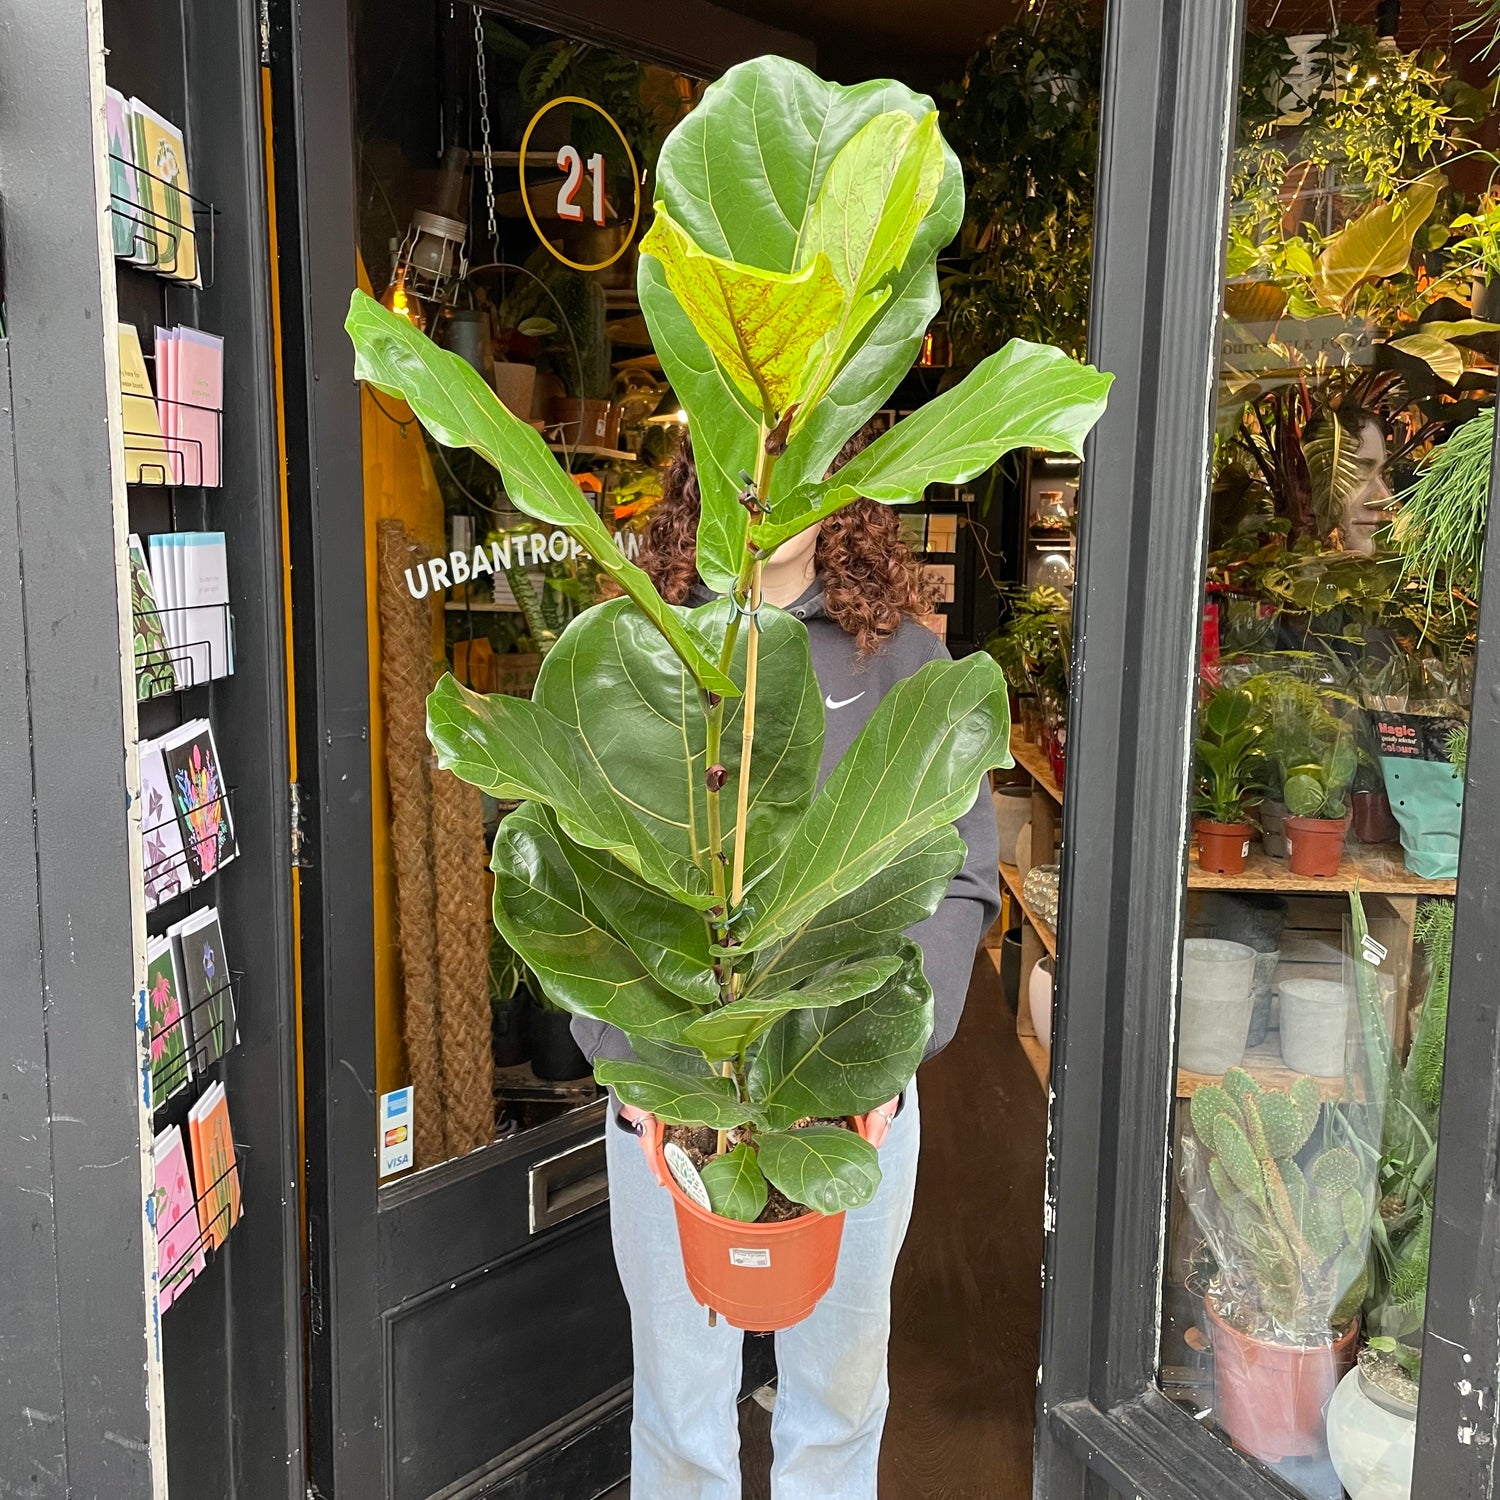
[
  {"x": 1346, "y": 455},
  {"x": 674, "y": 869}
]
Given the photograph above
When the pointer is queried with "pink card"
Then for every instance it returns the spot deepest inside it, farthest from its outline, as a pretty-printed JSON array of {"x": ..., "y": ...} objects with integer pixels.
[{"x": 174, "y": 1215}]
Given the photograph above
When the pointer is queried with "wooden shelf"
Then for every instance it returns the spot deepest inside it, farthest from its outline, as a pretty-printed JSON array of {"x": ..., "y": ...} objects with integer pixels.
[
  {"x": 482, "y": 607},
  {"x": 1265, "y": 1066},
  {"x": 588, "y": 450},
  {"x": 1012, "y": 877},
  {"x": 1033, "y": 760},
  {"x": 1374, "y": 867}
]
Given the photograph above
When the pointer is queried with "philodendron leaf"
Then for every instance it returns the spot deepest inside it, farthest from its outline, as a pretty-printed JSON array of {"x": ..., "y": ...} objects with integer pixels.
[
  {"x": 1445, "y": 360},
  {"x": 901, "y": 895},
  {"x": 640, "y": 722},
  {"x": 916, "y": 765},
  {"x": 826, "y": 1167},
  {"x": 736, "y": 1186},
  {"x": 845, "y": 1059},
  {"x": 728, "y": 1030},
  {"x": 1023, "y": 396},
  {"x": 762, "y": 326},
  {"x": 1374, "y": 245},
  {"x": 675, "y": 1097},
  {"x": 741, "y": 174},
  {"x": 513, "y": 748},
  {"x": 452, "y": 401},
  {"x": 602, "y": 943}
]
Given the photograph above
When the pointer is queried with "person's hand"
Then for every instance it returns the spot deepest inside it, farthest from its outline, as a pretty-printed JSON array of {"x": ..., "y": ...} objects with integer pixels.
[{"x": 878, "y": 1121}]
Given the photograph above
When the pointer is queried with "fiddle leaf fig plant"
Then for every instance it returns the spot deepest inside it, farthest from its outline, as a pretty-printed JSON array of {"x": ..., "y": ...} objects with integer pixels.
[{"x": 675, "y": 868}]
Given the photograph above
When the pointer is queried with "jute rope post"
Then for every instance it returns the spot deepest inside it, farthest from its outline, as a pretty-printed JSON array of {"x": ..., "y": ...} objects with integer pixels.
[{"x": 405, "y": 675}]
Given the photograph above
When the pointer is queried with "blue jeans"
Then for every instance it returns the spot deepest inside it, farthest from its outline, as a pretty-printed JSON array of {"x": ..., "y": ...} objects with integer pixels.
[{"x": 832, "y": 1391}]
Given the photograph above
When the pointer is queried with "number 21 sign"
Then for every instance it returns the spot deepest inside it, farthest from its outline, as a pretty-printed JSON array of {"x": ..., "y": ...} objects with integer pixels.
[{"x": 582, "y": 197}]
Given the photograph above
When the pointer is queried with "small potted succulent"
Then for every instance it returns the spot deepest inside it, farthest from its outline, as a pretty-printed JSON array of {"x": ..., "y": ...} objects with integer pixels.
[
  {"x": 1229, "y": 770},
  {"x": 1286, "y": 1216},
  {"x": 1316, "y": 794},
  {"x": 678, "y": 868}
]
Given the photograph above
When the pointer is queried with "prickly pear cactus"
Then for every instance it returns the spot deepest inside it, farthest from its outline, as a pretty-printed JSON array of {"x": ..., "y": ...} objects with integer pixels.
[{"x": 1288, "y": 1221}]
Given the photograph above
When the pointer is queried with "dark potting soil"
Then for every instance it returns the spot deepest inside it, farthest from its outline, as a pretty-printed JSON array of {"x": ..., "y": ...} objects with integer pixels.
[{"x": 701, "y": 1144}]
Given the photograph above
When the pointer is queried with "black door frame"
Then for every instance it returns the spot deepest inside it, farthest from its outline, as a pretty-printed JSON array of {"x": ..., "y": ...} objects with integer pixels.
[
  {"x": 309, "y": 49},
  {"x": 1170, "y": 81}
]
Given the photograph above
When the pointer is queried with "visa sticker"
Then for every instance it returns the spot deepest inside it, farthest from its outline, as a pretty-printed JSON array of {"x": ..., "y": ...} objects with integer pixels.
[{"x": 395, "y": 1133}]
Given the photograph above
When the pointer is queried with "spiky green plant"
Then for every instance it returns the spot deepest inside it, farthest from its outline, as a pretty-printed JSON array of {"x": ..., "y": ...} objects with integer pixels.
[{"x": 1287, "y": 1220}]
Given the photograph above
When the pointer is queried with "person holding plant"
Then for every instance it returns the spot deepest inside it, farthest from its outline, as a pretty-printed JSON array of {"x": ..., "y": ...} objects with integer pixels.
[{"x": 860, "y": 592}]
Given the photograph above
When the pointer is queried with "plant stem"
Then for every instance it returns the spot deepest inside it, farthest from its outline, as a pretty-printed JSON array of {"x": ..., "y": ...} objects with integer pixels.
[{"x": 747, "y": 740}]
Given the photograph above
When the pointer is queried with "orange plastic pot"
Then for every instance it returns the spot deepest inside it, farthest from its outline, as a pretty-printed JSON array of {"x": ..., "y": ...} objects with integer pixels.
[
  {"x": 1270, "y": 1398},
  {"x": 759, "y": 1277},
  {"x": 1315, "y": 846},
  {"x": 1222, "y": 847}
]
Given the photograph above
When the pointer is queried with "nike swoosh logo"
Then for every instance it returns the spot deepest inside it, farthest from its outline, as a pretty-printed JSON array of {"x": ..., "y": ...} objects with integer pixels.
[{"x": 842, "y": 703}]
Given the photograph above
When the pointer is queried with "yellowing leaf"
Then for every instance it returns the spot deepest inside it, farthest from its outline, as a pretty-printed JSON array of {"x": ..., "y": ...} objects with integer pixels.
[
  {"x": 762, "y": 326},
  {"x": 1445, "y": 360},
  {"x": 1376, "y": 244}
]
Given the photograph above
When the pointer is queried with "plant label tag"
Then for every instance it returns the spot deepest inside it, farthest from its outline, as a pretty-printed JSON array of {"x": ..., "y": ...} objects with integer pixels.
[
  {"x": 758, "y": 1260},
  {"x": 1245, "y": 849},
  {"x": 1374, "y": 952},
  {"x": 685, "y": 1174}
]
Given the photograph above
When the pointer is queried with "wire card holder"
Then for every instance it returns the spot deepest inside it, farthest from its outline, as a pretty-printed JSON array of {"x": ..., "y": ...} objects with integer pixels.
[
  {"x": 168, "y": 459},
  {"x": 217, "y": 1209},
  {"x": 212, "y": 1024},
  {"x": 206, "y": 833},
  {"x": 158, "y": 240},
  {"x": 190, "y": 645}
]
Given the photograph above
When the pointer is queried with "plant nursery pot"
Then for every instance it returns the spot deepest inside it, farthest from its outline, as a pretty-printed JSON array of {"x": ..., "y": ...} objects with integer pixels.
[
  {"x": 759, "y": 1277},
  {"x": 1222, "y": 847},
  {"x": 1270, "y": 1397},
  {"x": 1039, "y": 998},
  {"x": 1373, "y": 821},
  {"x": 584, "y": 424},
  {"x": 1217, "y": 999},
  {"x": 1314, "y": 1026},
  {"x": 515, "y": 385},
  {"x": 508, "y": 1029},
  {"x": 555, "y": 1056},
  {"x": 1012, "y": 813},
  {"x": 1315, "y": 846},
  {"x": 1010, "y": 968},
  {"x": 1372, "y": 1439}
]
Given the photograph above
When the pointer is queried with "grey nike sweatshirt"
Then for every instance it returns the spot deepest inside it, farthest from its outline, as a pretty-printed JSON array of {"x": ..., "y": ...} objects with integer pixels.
[{"x": 852, "y": 688}]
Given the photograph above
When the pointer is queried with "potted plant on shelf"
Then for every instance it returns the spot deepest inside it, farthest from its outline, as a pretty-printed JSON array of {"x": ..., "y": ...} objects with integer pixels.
[
  {"x": 675, "y": 868},
  {"x": 1229, "y": 767},
  {"x": 1317, "y": 809},
  {"x": 1286, "y": 1218}
]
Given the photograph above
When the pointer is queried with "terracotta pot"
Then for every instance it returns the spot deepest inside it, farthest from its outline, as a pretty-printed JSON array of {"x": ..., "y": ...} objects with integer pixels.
[
  {"x": 1222, "y": 847},
  {"x": 1314, "y": 846},
  {"x": 759, "y": 1277},
  {"x": 1373, "y": 820},
  {"x": 1270, "y": 1397}
]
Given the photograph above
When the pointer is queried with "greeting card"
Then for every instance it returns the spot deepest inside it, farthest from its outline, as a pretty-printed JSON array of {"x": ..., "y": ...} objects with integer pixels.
[
  {"x": 124, "y": 195},
  {"x": 162, "y": 853},
  {"x": 179, "y": 1242},
  {"x": 201, "y": 798},
  {"x": 205, "y": 970},
  {"x": 154, "y": 671},
  {"x": 161, "y": 158},
  {"x": 170, "y": 1059},
  {"x": 214, "y": 1166}
]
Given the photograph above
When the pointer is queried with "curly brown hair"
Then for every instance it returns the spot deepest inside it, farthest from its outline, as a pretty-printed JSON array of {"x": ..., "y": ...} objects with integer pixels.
[{"x": 871, "y": 581}]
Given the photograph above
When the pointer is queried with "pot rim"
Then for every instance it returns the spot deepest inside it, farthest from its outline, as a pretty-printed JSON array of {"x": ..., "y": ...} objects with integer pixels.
[
  {"x": 1389, "y": 1403},
  {"x": 1224, "y": 830},
  {"x": 657, "y": 1134},
  {"x": 1350, "y": 1330},
  {"x": 1317, "y": 824}
]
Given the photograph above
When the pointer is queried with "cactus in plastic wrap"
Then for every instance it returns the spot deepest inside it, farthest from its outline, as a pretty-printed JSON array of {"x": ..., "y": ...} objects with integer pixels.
[{"x": 1291, "y": 1220}]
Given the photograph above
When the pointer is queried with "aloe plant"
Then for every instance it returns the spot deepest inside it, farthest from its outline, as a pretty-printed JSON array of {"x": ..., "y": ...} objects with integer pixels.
[
  {"x": 1287, "y": 1220},
  {"x": 675, "y": 869}
]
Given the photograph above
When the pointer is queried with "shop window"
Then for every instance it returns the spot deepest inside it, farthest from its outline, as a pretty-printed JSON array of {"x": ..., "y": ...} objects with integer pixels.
[{"x": 1350, "y": 477}]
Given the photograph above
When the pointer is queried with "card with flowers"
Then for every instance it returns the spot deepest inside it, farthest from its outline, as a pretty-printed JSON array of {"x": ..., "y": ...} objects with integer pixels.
[
  {"x": 171, "y": 1064},
  {"x": 179, "y": 1244},
  {"x": 163, "y": 857},
  {"x": 201, "y": 798}
]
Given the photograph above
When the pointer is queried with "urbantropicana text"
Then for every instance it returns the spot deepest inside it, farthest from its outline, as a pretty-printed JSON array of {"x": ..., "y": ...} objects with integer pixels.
[{"x": 530, "y": 550}]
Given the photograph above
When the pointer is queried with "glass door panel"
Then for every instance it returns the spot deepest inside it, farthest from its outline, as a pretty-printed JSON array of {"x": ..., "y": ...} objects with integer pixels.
[{"x": 1350, "y": 474}]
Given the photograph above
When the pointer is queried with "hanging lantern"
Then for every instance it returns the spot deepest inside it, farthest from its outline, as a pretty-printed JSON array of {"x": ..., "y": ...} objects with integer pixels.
[{"x": 430, "y": 260}]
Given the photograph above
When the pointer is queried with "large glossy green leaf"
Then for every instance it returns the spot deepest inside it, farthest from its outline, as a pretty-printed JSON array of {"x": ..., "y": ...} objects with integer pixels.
[
  {"x": 513, "y": 748},
  {"x": 641, "y": 725},
  {"x": 665, "y": 941},
  {"x": 728, "y": 1030},
  {"x": 736, "y": 1186},
  {"x": 452, "y": 401},
  {"x": 896, "y": 899},
  {"x": 845, "y": 1059},
  {"x": 916, "y": 765},
  {"x": 826, "y": 1167},
  {"x": 546, "y": 909},
  {"x": 1376, "y": 244},
  {"x": 762, "y": 326},
  {"x": 741, "y": 174},
  {"x": 1023, "y": 396},
  {"x": 674, "y": 1097}
]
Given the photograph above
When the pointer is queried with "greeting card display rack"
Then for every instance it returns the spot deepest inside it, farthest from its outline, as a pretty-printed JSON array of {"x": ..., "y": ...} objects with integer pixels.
[
  {"x": 157, "y": 239},
  {"x": 185, "y": 1066},
  {"x": 152, "y": 663}
]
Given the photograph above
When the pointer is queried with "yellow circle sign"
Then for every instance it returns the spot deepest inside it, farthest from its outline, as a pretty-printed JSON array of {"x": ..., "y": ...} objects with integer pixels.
[{"x": 582, "y": 179}]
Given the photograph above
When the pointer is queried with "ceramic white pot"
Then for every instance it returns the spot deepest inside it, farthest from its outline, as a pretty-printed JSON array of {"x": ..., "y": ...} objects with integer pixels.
[
  {"x": 1314, "y": 1026},
  {"x": 1023, "y": 850},
  {"x": 1039, "y": 997},
  {"x": 1371, "y": 1440},
  {"x": 1217, "y": 1000},
  {"x": 1012, "y": 814}
]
